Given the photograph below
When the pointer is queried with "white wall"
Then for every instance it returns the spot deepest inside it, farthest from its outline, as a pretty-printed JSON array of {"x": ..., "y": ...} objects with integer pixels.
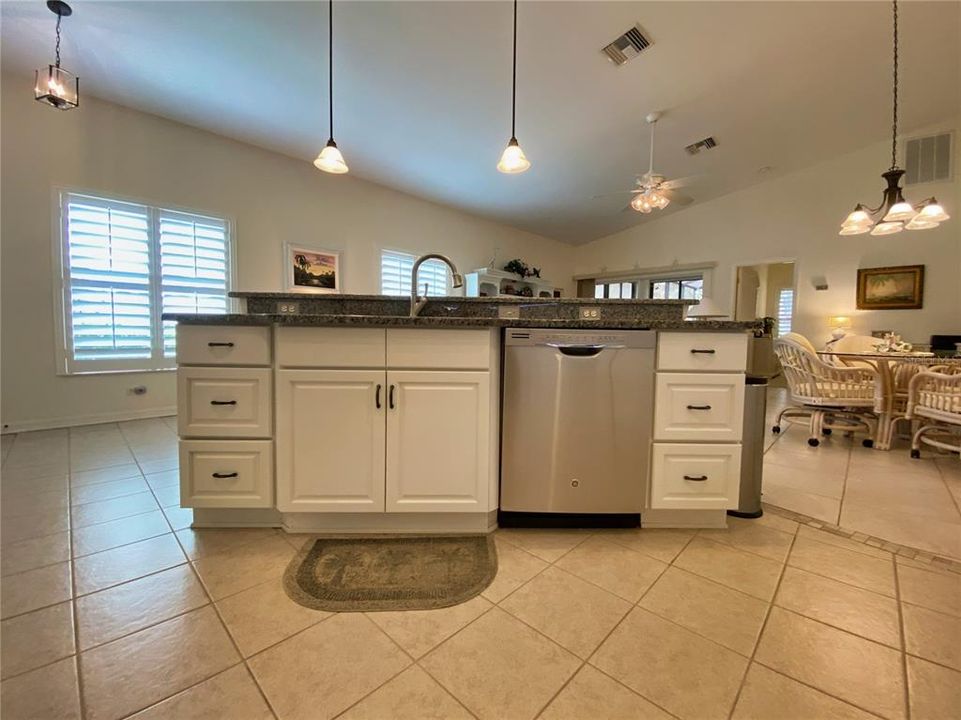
[
  {"x": 270, "y": 198},
  {"x": 797, "y": 217}
]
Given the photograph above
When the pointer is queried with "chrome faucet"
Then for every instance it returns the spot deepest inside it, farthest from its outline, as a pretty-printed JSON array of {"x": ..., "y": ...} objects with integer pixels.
[{"x": 416, "y": 301}]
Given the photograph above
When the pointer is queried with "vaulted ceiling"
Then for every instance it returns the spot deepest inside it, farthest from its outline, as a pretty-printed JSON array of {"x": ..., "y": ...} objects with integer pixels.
[{"x": 422, "y": 89}]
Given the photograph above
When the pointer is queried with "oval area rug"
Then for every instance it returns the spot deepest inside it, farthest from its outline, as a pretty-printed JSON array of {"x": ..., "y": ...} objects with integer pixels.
[{"x": 363, "y": 574}]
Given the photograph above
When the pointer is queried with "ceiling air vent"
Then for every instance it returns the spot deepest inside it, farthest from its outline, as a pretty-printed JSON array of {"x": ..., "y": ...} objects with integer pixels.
[
  {"x": 705, "y": 144},
  {"x": 628, "y": 46},
  {"x": 928, "y": 159}
]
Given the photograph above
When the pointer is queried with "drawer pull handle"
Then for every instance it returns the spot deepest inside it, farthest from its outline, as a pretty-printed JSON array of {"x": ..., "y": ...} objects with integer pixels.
[
  {"x": 223, "y": 402},
  {"x": 377, "y": 397},
  {"x": 220, "y": 476},
  {"x": 390, "y": 398},
  {"x": 696, "y": 478},
  {"x": 220, "y": 344},
  {"x": 698, "y": 407},
  {"x": 695, "y": 351}
]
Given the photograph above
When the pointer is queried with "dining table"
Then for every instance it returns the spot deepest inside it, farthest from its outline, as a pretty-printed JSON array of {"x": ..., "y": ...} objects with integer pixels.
[{"x": 894, "y": 369}]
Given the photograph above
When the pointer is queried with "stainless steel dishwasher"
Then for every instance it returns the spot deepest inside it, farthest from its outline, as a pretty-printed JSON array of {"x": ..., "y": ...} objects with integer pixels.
[{"x": 576, "y": 430}]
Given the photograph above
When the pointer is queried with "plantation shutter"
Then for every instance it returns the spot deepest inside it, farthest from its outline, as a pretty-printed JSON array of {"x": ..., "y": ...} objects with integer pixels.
[
  {"x": 107, "y": 280},
  {"x": 785, "y": 311},
  {"x": 396, "y": 268}
]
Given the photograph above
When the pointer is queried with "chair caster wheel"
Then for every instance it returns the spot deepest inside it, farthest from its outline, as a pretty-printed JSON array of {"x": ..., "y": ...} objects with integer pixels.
[
  {"x": 776, "y": 429},
  {"x": 813, "y": 442},
  {"x": 915, "y": 454},
  {"x": 868, "y": 443},
  {"x": 826, "y": 431}
]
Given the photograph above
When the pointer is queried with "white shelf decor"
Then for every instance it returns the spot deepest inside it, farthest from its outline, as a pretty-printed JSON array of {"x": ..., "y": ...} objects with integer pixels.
[{"x": 487, "y": 282}]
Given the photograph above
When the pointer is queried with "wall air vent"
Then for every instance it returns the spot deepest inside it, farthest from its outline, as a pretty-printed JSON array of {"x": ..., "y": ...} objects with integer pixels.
[
  {"x": 628, "y": 46},
  {"x": 927, "y": 159},
  {"x": 705, "y": 144}
]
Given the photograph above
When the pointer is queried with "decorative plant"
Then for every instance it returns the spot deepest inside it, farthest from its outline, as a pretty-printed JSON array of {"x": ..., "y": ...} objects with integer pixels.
[{"x": 518, "y": 267}]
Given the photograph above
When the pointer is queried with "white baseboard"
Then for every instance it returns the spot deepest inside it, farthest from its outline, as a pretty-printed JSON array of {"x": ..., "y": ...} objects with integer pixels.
[{"x": 92, "y": 419}]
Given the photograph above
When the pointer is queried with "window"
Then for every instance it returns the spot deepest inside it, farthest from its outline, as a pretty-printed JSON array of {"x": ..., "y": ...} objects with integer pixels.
[
  {"x": 122, "y": 266},
  {"x": 785, "y": 311},
  {"x": 691, "y": 288},
  {"x": 614, "y": 291},
  {"x": 395, "y": 269}
]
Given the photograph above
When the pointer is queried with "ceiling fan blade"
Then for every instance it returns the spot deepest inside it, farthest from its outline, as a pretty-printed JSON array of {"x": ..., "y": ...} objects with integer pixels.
[
  {"x": 612, "y": 194},
  {"x": 679, "y": 198},
  {"x": 678, "y": 182}
]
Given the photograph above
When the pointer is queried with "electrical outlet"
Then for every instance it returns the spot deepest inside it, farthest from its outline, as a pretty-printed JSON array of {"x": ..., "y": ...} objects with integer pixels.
[
  {"x": 509, "y": 312},
  {"x": 288, "y": 308},
  {"x": 590, "y": 313}
]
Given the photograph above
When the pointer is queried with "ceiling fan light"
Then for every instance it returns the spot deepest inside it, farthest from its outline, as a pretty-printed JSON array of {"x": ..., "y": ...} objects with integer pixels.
[
  {"x": 933, "y": 212},
  {"x": 901, "y": 210},
  {"x": 660, "y": 201},
  {"x": 642, "y": 203},
  {"x": 887, "y": 228},
  {"x": 513, "y": 160},
  {"x": 331, "y": 160},
  {"x": 855, "y": 229}
]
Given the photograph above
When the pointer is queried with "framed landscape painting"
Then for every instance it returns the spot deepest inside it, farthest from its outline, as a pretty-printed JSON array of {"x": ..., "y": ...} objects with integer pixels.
[
  {"x": 891, "y": 288},
  {"x": 311, "y": 270}
]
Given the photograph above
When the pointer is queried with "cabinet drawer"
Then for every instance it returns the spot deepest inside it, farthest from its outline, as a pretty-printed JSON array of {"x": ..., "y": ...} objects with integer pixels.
[
  {"x": 699, "y": 406},
  {"x": 226, "y": 473},
  {"x": 224, "y": 402},
  {"x": 718, "y": 352},
  {"x": 223, "y": 345},
  {"x": 354, "y": 348},
  {"x": 417, "y": 349},
  {"x": 695, "y": 477}
]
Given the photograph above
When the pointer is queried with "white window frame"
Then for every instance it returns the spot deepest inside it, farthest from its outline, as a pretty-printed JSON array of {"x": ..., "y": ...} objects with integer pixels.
[
  {"x": 413, "y": 256},
  {"x": 63, "y": 328},
  {"x": 780, "y": 330}
]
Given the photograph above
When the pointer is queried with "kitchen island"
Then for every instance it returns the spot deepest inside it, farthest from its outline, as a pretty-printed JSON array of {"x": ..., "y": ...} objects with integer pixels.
[{"x": 338, "y": 413}]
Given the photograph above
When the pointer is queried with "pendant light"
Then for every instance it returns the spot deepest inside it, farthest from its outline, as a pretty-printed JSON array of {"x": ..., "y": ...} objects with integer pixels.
[
  {"x": 53, "y": 85},
  {"x": 895, "y": 213},
  {"x": 330, "y": 159},
  {"x": 513, "y": 160}
]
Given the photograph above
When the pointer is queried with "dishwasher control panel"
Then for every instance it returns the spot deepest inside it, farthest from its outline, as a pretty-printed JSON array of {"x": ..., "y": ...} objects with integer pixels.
[{"x": 573, "y": 338}]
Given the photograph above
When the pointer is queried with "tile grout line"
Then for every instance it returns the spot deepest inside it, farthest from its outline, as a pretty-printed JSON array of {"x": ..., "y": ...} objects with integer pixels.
[
  {"x": 760, "y": 634},
  {"x": 81, "y": 695},
  {"x": 901, "y": 635}
]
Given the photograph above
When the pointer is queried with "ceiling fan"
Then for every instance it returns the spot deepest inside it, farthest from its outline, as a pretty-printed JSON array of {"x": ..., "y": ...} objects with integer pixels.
[{"x": 652, "y": 191}]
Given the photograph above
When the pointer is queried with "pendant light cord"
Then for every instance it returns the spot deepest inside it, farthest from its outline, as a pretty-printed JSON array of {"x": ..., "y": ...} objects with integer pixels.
[
  {"x": 330, "y": 64},
  {"x": 894, "y": 120},
  {"x": 59, "y": 18},
  {"x": 514, "y": 79}
]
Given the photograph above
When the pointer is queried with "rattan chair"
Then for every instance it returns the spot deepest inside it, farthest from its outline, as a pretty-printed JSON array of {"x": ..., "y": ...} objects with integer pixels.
[
  {"x": 830, "y": 397},
  {"x": 934, "y": 398}
]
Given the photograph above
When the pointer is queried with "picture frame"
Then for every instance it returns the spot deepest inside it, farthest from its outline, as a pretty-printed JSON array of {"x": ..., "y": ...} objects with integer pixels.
[
  {"x": 311, "y": 270},
  {"x": 891, "y": 288}
]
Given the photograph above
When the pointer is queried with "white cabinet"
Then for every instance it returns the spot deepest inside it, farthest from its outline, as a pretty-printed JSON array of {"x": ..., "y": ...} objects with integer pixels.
[
  {"x": 224, "y": 402},
  {"x": 331, "y": 435},
  {"x": 226, "y": 473},
  {"x": 690, "y": 476},
  {"x": 438, "y": 441},
  {"x": 702, "y": 351},
  {"x": 699, "y": 407},
  {"x": 223, "y": 345}
]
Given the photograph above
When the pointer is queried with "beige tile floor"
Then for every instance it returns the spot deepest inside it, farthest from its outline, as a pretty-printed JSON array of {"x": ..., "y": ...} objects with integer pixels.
[
  {"x": 112, "y": 607},
  {"x": 885, "y": 494}
]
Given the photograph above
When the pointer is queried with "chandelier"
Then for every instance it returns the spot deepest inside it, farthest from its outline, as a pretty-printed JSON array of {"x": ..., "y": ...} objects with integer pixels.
[{"x": 895, "y": 213}]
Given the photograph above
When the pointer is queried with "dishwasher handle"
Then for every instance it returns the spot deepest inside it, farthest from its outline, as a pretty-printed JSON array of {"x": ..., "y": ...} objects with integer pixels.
[{"x": 581, "y": 350}]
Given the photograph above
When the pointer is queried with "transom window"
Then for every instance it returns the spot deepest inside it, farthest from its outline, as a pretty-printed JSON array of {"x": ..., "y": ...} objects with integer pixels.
[
  {"x": 395, "y": 270},
  {"x": 124, "y": 264},
  {"x": 691, "y": 288},
  {"x": 614, "y": 290}
]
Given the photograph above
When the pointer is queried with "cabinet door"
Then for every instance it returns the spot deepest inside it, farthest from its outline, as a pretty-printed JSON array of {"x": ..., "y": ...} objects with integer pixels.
[
  {"x": 330, "y": 440},
  {"x": 438, "y": 441}
]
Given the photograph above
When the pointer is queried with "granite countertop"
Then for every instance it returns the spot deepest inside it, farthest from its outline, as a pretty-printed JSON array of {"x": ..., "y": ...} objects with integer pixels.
[
  {"x": 340, "y": 320},
  {"x": 501, "y": 299}
]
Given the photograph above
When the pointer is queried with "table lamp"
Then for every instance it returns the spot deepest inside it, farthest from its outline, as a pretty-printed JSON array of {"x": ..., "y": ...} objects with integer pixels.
[{"x": 839, "y": 324}]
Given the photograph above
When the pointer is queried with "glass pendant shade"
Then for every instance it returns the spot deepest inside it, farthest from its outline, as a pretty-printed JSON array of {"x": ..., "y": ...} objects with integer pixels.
[
  {"x": 330, "y": 159},
  {"x": 857, "y": 217},
  {"x": 887, "y": 228},
  {"x": 933, "y": 212},
  {"x": 919, "y": 223},
  {"x": 57, "y": 87},
  {"x": 901, "y": 210},
  {"x": 856, "y": 229},
  {"x": 660, "y": 201},
  {"x": 642, "y": 203},
  {"x": 513, "y": 160}
]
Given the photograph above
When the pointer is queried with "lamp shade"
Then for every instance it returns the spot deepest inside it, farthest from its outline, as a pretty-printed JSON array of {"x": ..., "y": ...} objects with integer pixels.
[
  {"x": 706, "y": 308},
  {"x": 330, "y": 159},
  {"x": 513, "y": 160},
  {"x": 840, "y": 321},
  {"x": 899, "y": 211},
  {"x": 855, "y": 229},
  {"x": 933, "y": 212},
  {"x": 887, "y": 228}
]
